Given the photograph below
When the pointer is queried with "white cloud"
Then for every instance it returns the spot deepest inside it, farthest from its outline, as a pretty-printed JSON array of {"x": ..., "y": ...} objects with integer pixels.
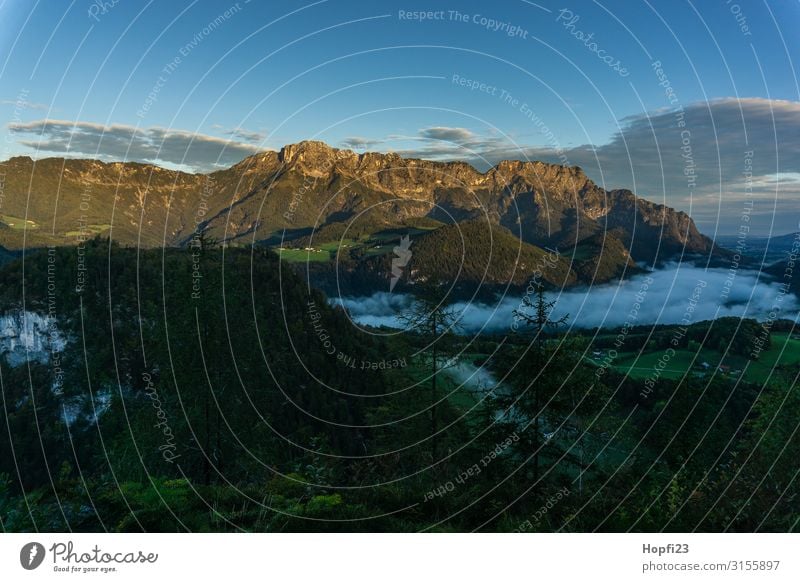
[
  {"x": 24, "y": 104},
  {"x": 674, "y": 291},
  {"x": 359, "y": 143},
  {"x": 246, "y": 135},
  {"x": 192, "y": 151},
  {"x": 453, "y": 134}
]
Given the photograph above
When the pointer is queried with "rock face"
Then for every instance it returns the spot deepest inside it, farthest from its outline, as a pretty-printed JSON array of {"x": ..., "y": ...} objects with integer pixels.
[
  {"x": 309, "y": 185},
  {"x": 28, "y": 336}
]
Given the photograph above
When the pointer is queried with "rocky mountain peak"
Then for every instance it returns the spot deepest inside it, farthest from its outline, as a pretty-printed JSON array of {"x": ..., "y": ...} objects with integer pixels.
[{"x": 309, "y": 151}]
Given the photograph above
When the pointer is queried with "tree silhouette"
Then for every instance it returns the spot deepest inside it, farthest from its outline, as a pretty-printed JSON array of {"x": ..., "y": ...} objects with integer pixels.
[
  {"x": 528, "y": 401},
  {"x": 436, "y": 322}
]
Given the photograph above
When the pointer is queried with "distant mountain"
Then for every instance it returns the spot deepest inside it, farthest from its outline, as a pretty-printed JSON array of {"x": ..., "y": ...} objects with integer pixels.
[
  {"x": 309, "y": 193},
  {"x": 778, "y": 257},
  {"x": 763, "y": 248}
]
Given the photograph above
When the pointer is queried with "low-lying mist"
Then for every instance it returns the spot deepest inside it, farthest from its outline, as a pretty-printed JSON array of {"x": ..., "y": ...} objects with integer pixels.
[{"x": 674, "y": 294}]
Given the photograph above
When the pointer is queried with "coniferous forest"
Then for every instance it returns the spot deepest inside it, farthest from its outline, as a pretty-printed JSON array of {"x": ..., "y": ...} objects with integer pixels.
[{"x": 211, "y": 389}]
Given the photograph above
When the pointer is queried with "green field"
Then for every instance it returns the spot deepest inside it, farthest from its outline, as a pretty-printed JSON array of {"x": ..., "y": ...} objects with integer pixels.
[
  {"x": 17, "y": 223},
  {"x": 303, "y": 256},
  {"x": 784, "y": 351},
  {"x": 319, "y": 253},
  {"x": 376, "y": 244},
  {"x": 327, "y": 251}
]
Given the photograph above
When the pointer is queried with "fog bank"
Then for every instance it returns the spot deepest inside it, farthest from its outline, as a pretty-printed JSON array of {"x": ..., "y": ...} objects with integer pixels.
[{"x": 675, "y": 294}]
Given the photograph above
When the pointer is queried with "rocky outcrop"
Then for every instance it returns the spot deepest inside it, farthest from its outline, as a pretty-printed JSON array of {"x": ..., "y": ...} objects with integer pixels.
[{"x": 27, "y": 336}]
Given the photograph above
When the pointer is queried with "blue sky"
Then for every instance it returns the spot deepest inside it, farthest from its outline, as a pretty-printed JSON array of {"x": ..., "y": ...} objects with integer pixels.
[{"x": 198, "y": 85}]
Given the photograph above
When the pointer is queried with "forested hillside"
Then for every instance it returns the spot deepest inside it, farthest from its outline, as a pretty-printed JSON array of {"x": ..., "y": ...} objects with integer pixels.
[{"x": 209, "y": 389}]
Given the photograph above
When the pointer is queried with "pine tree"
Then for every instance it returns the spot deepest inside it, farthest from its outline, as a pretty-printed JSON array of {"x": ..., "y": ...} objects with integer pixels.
[
  {"x": 436, "y": 322},
  {"x": 529, "y": 400}
]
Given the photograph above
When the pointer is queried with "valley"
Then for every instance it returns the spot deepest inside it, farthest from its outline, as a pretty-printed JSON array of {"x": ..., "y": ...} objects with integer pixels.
[{"x": 262, "y": 316}]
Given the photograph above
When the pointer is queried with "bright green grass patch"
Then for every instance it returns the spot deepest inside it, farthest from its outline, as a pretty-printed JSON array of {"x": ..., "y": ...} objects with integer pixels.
[
  {"x": 645, "y": 364},
  {"x": 17, "y": 223},
  {"x": 344, "y": 244},
  {"x": 317, "y": 254},
  {"x": 373, "y": 244},
  {"x": 303, "y": 256},
  {"x": 784, "y": 351}
]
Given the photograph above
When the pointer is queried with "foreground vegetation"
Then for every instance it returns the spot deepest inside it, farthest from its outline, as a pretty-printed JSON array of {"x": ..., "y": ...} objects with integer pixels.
[{"x": 212, "y": 390}]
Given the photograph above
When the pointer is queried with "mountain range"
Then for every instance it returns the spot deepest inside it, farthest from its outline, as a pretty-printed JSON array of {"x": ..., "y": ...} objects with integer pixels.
[{"x": 354, "y": 207}]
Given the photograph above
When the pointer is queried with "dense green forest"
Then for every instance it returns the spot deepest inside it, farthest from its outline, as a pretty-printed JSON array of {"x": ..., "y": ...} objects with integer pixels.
[{"x": 211, "y": 389}]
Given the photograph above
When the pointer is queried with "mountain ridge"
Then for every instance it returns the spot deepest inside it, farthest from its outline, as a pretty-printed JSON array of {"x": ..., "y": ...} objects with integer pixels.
[{"x": 303, "y": 186}]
